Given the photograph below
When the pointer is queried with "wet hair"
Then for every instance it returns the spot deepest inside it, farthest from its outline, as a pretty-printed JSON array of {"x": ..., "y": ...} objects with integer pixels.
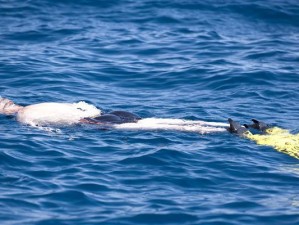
[{"x": 8, "y": 107}]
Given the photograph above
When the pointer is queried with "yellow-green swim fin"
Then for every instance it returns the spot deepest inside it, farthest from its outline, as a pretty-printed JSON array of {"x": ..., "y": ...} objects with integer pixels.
[{"x": 280, "y": 139}]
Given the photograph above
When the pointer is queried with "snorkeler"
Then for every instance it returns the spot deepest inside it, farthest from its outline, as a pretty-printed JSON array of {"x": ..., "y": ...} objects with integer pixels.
[
  {"x": 48, "y": 113},
  {"x": 64, "y": 113},
  {"x": 280, "y": 139},
  {"x": 52, "y": 113}
]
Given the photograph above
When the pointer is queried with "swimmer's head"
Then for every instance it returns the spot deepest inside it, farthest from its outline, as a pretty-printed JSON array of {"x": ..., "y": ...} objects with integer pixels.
[{"x": 7, "y": 107}]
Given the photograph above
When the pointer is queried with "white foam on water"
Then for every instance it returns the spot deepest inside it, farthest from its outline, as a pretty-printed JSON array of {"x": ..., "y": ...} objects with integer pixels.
[{"x": 50, "y": 129}]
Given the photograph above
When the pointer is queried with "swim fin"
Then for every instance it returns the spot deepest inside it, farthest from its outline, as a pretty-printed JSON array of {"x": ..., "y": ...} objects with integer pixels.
[
  {"x": 237, "y": 128},
  {"x": 258, "y": 125}
]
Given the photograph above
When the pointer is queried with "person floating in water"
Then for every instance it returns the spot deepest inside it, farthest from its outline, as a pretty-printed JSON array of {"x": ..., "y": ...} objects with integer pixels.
[
  {"x": 280, "y": 139},
  {"x": 53, "y": 113}
]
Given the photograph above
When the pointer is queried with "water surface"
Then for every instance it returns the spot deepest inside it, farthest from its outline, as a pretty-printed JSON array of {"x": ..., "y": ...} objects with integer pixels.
[{"x": 157, "y": 58}]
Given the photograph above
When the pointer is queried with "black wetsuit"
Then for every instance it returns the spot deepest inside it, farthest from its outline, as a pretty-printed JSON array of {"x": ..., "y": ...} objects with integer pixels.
[{"x": 115, "y": 117}]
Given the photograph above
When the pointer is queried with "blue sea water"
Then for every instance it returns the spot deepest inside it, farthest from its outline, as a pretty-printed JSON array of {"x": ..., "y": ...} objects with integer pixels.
[{"x": 207, "y": 60}]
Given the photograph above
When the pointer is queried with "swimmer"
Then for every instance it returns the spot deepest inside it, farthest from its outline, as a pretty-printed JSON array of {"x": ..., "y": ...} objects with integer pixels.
[
  {"x": 49, "y": 112},
  {"x": 280, "y": 139},
  {"x": 64, "y": 113},
  {"x": 53, "y": 113}
]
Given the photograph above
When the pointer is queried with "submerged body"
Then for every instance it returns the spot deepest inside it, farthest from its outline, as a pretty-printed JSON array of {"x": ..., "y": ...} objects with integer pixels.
[{"x": 51, "y": 113}]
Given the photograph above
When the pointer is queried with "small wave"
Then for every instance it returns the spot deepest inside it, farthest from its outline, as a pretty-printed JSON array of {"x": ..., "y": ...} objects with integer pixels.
[{"x": 50, "y": 130}]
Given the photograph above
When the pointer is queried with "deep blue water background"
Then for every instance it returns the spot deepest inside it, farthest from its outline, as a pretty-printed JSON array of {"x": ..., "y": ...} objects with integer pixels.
[{"x": 188, "y": 59}]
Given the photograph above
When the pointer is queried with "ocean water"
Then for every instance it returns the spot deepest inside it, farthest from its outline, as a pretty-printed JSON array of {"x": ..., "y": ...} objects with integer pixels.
[{"x": 187, "y": 59}]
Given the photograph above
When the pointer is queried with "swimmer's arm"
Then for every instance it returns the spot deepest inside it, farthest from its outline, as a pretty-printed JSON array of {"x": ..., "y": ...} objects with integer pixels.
[{"x": 183, "y": 122}]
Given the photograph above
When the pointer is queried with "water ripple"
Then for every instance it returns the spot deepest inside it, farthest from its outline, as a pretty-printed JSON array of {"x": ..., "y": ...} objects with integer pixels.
[{"x": 168, "y": 59}]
